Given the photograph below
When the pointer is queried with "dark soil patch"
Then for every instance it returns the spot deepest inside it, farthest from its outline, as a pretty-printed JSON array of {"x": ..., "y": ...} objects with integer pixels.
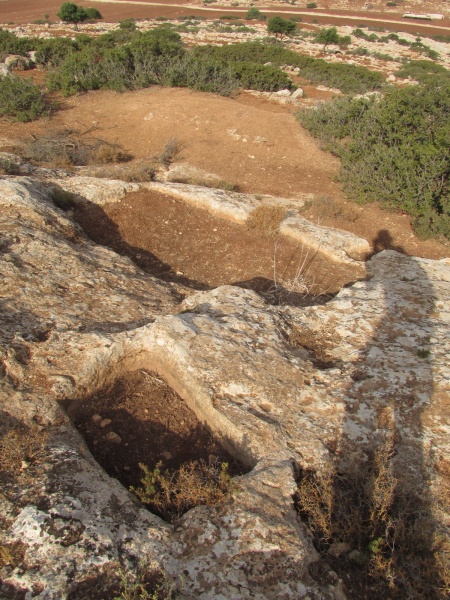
[
  {"x": 155, "y": 425},
  {"x": 178, "y": 242}
]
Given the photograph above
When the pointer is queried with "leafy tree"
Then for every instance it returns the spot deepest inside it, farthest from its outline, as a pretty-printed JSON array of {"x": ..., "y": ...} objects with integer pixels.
[
  {"x": 71, "y": 13},
  {"x": 327, "y": 37},
  {"x": 93, "y": 13},
  {"x": 281, "y": 27}
]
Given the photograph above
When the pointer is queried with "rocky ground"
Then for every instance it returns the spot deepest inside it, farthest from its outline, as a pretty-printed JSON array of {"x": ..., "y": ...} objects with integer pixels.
[
  {"x": 282, "y": 388},
  {"x": 148, "y": 321}
]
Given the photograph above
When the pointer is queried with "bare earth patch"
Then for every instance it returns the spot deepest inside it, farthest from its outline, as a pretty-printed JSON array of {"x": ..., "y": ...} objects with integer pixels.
[
  {"x": 248, "y": 141},
  {"x": 140, "y": 419}
]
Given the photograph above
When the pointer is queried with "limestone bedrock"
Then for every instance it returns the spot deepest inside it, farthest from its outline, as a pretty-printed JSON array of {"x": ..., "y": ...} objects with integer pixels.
[{"x": 282, "y": 387}]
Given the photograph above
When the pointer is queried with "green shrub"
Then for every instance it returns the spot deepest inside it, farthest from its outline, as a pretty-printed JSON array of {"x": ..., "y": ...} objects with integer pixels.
[
  {"x": 350, "y": 79},
  {"x": 395, "y": 150},
  {"x": 424, "y": 71},
  {"x": 52, "y": 52},
  {"x": 128, "y": 24},
  {"x": 254, "y": 14},
  {"x": 281, "y": 27},
  {"x": 93, "y": 13},
  {"x": 11, "y": 44},
  {"x": 20, "y": 99},
  {"x": 260, "y": 77},
  {"x": 311, "y": 5}
]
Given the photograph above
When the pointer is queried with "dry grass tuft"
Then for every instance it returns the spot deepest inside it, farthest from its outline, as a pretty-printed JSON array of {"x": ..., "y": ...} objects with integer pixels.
[
  {"x": 21, "y": 447},
  {"x": 324, "y": 208},
  {"x": 390, "y": 529},
  {"x": 171, "y": 152},
  {"x": 106, "y": 153},
  {"x": 146, "y": 585},
  {"x": 266, "y": 219},
  {"x": 66, "y": 148},
  {"x": 172, "y": 493},
  {"x": 135, "y": 171},
  {"x": 12, "y": 554}
]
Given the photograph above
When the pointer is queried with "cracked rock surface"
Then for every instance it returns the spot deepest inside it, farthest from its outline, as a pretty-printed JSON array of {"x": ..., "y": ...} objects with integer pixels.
[{"x": 283, "y": 388}]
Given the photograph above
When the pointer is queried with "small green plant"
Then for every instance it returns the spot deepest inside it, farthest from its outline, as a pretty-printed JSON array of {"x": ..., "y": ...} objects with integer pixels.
[
  {"x": 423, "y": 353},
  {"x": 8, "y": 167},
  {"x": 62, "y": 199},
  {"x": 128, "y": 24},
  {"x": 311, "y": 5},
  {"x": 93, "y": 14},
  {"x": 171, "y": 493}
]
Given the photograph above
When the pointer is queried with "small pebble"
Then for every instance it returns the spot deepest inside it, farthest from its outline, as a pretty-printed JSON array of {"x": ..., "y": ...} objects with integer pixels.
[
  {"x": 105, "y": 422},
  {"x": 113, "y": 437},
  {"x": 96, "y": 418},
  {"x": 166, "y": 455}
]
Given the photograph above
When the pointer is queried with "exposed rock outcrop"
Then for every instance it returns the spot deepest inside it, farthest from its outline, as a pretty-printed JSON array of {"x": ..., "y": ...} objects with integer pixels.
[{"x": 282, "y": 387}]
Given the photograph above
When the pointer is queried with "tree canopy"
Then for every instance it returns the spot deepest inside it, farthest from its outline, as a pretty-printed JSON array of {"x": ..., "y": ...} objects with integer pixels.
[
  {"x": 327, "y": 37},
  {"x": 281, "y": 27},
  {"x": 72, "y": 13}
]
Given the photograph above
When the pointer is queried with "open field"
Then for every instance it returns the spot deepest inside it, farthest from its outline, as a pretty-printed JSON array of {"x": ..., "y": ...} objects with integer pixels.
[{"x": 26, "y": 11}]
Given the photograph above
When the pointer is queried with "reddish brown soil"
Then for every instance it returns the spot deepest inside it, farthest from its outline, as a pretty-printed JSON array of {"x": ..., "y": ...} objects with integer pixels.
[
  {"x": 183, "y": 244},
  {"x": 154, "y": 424},
  {"x": 287, "y": 163}
]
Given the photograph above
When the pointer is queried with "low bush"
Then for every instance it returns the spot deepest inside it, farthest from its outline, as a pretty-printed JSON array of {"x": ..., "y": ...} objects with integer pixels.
[
  {"x": 350, "y": 79},
  {"x": 128, "y": 24},
  {"x": 11, "y": 44},
  {"x": 255, "y": 14},
  {"x": 387, "y": 526},
  {"x": 21, "y": 99},
  {"x": 424, "y": 71},
  {"x": 265, "y": 78},
  {"x": 171, "y": 493},
  {"x": 69, "y": 147},
  {"x": 394, "y": 151}
]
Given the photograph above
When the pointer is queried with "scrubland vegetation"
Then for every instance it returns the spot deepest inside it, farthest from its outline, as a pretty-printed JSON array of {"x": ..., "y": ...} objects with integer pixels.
[{"x": 395, "y": 149}]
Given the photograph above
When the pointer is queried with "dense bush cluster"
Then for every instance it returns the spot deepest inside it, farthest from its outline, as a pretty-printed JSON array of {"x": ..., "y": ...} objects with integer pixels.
[
  {"x": 394, "y": 150},
  {"x": 129, "y": 59},
  {"x": 417, "y": 45},
  {"x": 350, "y": 79}
]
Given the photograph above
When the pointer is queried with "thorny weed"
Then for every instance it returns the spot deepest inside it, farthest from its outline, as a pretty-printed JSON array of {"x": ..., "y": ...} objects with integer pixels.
[{"x": 171, "y": 493}]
